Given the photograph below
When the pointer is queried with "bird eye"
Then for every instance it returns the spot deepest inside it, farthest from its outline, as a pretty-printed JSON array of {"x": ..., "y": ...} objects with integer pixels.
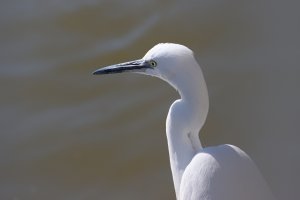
[{"x": 152, "y": 63}]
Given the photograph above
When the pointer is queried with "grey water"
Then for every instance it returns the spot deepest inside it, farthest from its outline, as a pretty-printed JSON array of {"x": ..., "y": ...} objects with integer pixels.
[{"x": 66, "y": 134}]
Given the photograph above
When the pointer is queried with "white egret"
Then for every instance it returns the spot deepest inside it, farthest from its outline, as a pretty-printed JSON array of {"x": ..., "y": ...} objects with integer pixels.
[{"x": 222, "y": 172}]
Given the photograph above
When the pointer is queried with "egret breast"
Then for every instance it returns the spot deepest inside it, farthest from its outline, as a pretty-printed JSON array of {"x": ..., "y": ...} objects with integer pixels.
[{"x": 223, "y": 172}]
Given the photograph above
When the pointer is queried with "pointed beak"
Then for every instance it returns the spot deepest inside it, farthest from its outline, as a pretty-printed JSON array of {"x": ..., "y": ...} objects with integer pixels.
[{"x": 132, "y": 66}]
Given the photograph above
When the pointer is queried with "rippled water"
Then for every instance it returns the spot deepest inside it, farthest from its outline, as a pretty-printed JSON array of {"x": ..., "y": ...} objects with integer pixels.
[{"x": 66, "y": 134}]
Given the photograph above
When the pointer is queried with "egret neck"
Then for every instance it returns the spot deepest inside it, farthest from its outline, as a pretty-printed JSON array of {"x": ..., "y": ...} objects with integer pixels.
[{"x": 185, "y": 119}]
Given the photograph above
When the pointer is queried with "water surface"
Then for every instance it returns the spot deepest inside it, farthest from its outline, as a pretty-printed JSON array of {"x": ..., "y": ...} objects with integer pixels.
[{"x": 66, "y": 134}]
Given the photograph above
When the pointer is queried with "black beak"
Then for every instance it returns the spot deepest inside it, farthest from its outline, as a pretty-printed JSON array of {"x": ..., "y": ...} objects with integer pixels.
[{"x": 132, "y": 66}]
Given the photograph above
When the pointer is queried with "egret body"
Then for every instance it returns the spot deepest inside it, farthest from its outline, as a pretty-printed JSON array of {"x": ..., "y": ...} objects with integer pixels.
[{"x": 222, "y": 172}]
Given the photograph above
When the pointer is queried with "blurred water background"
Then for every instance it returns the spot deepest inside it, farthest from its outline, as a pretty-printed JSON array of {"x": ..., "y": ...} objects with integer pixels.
[{"x": 68, "y": 135}]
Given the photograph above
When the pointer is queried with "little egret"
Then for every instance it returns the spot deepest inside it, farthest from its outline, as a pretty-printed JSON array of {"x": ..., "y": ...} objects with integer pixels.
[{"x": 222, "y": 172}]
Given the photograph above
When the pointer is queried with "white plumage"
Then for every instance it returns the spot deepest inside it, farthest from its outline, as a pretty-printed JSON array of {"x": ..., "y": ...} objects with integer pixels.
[{"x": 222, "y": 172}]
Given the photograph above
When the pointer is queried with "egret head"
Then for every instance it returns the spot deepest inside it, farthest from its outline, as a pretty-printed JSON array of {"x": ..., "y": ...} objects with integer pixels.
[
  {"x": 166, "y": 61},
  {"x": 175, "y": 64}
]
